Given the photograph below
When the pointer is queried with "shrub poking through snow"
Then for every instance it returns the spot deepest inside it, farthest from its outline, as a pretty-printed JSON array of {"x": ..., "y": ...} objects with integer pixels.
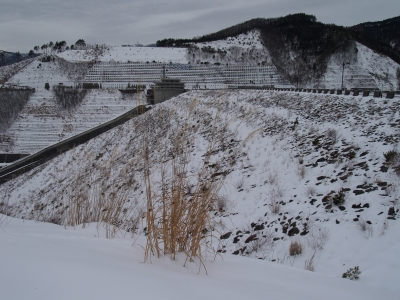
[
  {"x": 309, "y": 263},
  {"x": 339, "y": 198},
  {"x": 352, "y": 155},
  {"x": 317, "y": 238},
  {"x": 391, "y": 156},
  {"x": 296, "y": 248},
  {"x": 365, "y": 228},
  {"x": 352, "y": 273}
]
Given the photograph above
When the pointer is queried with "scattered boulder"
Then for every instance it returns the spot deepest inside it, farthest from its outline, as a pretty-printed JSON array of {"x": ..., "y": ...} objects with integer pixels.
[
  {"x": 251, "y": 238},
  {"x": 293, "y": 231},
  {"x": 391, "y": 211},
  {"x": 226, "y": 236},
  {"x": 358, "y": 192},
  {"x": 259, "y": 227}
]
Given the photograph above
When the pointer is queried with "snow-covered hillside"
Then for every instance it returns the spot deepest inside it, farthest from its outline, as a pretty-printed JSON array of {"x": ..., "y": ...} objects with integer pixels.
[
  {"x": 128, "y": 54},
  {"x": 246, "y": 48},
  {"x": 6, "y": 72},
  {"x": 37, "y": 73},
  {"x": 290, "y": 159},
  {"x": 380, "y": 70}
]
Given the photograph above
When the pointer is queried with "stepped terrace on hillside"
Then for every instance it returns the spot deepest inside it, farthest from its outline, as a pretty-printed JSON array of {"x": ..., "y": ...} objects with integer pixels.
[
  {"x": 43, "y": 122},
  {"x": 112, "y": 74}
]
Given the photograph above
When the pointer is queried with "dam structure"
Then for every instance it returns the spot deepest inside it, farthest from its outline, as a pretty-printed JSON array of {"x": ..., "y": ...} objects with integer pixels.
[{"x": 196, "y": 76}]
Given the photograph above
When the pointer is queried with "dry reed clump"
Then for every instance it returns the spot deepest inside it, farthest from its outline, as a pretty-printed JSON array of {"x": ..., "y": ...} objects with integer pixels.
[
  {"x": 317, "y": 238},
  {"x": 178, "y": 208},
  {"x": 309, "y": 263},
  {"x": 296, "y": 248},
  {"x": 365, "y": 228}
]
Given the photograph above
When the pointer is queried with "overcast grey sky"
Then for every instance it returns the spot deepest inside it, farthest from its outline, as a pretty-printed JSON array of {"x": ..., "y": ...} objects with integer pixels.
[{"x": 26, "y": 23}]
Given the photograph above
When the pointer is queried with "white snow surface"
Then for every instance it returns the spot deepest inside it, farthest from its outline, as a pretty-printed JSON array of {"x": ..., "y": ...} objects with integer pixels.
[
  {"x": 46, "y": 261},
  {"x": 285, "y": 149}
]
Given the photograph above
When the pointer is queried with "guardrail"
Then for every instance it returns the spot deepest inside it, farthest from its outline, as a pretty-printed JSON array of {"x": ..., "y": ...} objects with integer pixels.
[{"x": 28, "y": 163}]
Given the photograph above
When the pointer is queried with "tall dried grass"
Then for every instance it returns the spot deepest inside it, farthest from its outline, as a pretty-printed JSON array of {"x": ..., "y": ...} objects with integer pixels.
[{"x": 179, "y": 221}]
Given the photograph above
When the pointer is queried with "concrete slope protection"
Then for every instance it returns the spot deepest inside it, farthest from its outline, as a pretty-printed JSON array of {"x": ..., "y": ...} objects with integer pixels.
[{"x": 30, "y": 162}]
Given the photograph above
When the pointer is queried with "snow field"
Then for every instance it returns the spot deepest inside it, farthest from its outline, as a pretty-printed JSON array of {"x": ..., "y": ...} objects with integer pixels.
[{"x": 46, "y": 261}]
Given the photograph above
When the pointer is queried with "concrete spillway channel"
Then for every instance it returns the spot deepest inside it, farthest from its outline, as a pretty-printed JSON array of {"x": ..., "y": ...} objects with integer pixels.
[{"x": 28, "y": 163}]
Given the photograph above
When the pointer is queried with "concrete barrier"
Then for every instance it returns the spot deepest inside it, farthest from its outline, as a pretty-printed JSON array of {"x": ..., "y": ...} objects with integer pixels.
[
  {"x": 347, "y": 92},
  {"x": 338, "y": 92},
  {"x": 377, "y": 94},
  {"x": 28, "y": 163},
  {"x": 389, "y": 95}
]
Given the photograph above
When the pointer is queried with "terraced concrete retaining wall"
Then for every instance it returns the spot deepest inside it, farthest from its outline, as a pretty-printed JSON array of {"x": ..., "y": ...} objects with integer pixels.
[{"x": 28, "y": 163}]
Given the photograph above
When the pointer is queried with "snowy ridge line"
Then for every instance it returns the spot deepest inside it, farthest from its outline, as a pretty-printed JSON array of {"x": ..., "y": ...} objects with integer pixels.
[{"x": 28, "y": 163}]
